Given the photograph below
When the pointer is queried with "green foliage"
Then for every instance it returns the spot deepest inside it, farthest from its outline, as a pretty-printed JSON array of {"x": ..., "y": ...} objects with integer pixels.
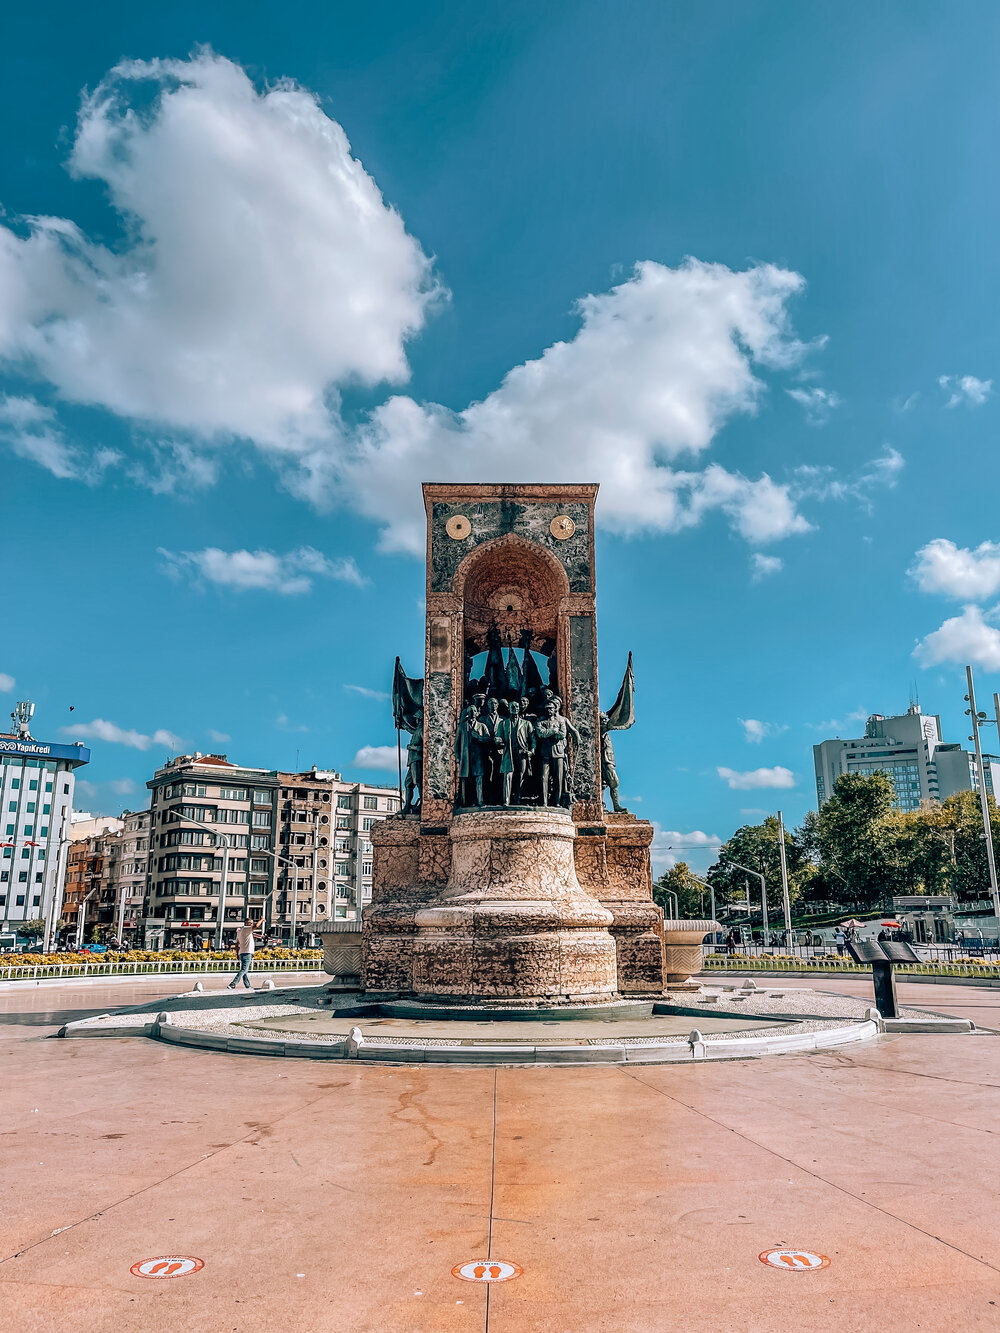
[
  {"x": 860, "y": 851},
  {"x": 692, "y": 896},
  {"x": 31, "y": 929}
]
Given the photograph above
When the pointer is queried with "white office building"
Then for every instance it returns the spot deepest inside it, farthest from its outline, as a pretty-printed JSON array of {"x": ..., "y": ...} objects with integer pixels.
[
  {"x": 910, "y": 751},
  {"x": 36, "y": 790}
]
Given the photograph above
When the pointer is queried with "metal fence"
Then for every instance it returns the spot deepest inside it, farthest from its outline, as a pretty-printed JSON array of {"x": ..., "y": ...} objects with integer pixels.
[
  {"x": 942, "y": 953},
  {"x": 722, "y": 962},
  {"x": 41, "y": 971}
]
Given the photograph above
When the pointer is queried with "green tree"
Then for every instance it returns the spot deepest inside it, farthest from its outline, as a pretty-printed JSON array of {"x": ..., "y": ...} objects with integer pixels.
[
  {"x": 863, "y": 841},
  {"x": 691, "y": 893},
  {"x": 32, "y": 929},
  {"x": 756, "y": 846}
]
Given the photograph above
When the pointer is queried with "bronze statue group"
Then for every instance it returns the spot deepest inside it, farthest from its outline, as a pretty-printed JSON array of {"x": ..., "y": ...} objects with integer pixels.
[{"x": 512, "y": 738}]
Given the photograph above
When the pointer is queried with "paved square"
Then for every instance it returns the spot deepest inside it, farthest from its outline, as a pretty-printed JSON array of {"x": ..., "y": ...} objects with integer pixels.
[{"x": 338, "y": 1199}]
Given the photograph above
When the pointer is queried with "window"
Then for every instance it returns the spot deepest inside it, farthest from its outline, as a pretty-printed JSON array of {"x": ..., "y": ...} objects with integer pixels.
[
  {"x": 262, "y": 818},
  {"x": 48, "y": 786},
  {"x": 371, "y": 802},
  {"x": 15, "y": 783},
  {"x": 258, "y": 865},
  {"x": 33, "y": 784},
  {"x": 65, "y": 788},
  {"x": 232, "y": 793},
  {"x": 25, "y": 853},
  {"x": 46, "y": 809},
  {"x": 258, "y": 890},
  {"x": 261, "y": 797},
  {"x": 10, "y": 829},
  {"x": 343, "y": 803},
  {"x": 194, "y": 789},
  {"x": 12, "y": 808},
  {"x": 19, "y": 900},
  {"x": 366, "y": 867},
  {"x": 31, "y": 807},
  {"x": 367, "y": 823},
  {"x": 260, "y": 842},
  {"x": 342, "y": 822}
]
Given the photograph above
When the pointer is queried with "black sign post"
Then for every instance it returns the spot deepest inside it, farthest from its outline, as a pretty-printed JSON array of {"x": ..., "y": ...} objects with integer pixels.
[{"x": 882, "y": 954}]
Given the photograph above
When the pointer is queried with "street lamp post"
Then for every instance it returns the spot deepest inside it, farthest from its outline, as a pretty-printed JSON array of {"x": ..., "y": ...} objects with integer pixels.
[
  {"x": 786, "y": 901},
  {"x": 763, "y": 893},
  {"x": 984, "y": 800}
]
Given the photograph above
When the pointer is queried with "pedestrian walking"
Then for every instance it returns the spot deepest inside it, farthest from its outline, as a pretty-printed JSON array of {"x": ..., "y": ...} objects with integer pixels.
[{"x": 244, "y": 950}]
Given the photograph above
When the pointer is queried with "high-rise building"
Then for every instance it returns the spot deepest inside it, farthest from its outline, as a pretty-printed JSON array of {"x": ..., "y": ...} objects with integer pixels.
[
  {"x": 910, "y": 751},
  {"x": 36, "y": 790}
]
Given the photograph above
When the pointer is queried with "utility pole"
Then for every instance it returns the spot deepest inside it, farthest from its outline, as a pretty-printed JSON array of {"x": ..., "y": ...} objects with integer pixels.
[
  {"x": 983, "y": 798},
  {"x": 763, "y": 895},
  {"x": 786, "y": 901}
]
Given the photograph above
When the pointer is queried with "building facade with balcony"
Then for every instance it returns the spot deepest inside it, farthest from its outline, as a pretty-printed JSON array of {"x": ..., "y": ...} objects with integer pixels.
[
  {"x": 199, "y": 804},
  {"x": 91, "y": 871}
]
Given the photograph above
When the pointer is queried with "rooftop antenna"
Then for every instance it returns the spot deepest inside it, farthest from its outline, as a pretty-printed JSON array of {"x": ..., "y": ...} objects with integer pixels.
[{"x": 21, "y": 718}]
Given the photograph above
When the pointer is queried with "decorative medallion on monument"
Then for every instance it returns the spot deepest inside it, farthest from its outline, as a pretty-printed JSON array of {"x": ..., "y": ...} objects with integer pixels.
[{"x": 504, "y": 880}]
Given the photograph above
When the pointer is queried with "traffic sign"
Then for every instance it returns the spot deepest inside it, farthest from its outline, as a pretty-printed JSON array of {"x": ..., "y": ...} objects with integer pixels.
[
  {"x": 486, "y": 1270},
  {"x": 166, "y": 1266},
  {"x": 794, "y": 1261}
]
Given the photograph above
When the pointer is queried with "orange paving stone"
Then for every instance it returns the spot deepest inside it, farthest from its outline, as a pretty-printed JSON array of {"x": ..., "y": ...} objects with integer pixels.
[{"x": 338, "y": 1198}]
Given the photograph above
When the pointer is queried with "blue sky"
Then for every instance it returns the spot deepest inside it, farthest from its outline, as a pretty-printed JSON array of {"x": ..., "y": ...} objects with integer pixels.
[{"x": 736, "y": 262}]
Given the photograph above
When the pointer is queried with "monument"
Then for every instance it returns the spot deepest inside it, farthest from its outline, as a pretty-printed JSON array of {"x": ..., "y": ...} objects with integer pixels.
[{"x": 503, "y": 879}]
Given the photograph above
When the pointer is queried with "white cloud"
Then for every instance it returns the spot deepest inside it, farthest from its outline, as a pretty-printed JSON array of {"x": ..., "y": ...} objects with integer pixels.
[
  {"x": 670, "y": 845},
  {"x": 122, "y": 786},
  {"x": 219, "y": 737},
  {"x": 754, "y": 730},
  {"x": 263, "y": 264},
  {"x": 757, "y": 777},
  {"x": 33, "y": 432},
  {"x": 817, "y": 403},
  {"x": 822, "y": 482},
  {"x": 7, "y": 683},
  {"x": 100, "y": 730},
  {"x": 963, "y": 639},
  {"x": 283, "y": 724},
  {"x": 837, "y": 725},
  {"x": 956, "y": 571},
  {"x": 762, "y": 565},
  {"x": 262, "y": 570},
  {"x": 965, "y": 389},
  {"x": 366, "y": 693},
  {"x": 382, "y": 757},
  {"x": 659, "y": 364}
]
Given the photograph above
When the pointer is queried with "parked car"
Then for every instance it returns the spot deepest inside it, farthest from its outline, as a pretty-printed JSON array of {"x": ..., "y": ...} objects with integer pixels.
[{"x": 93, "y": 948}]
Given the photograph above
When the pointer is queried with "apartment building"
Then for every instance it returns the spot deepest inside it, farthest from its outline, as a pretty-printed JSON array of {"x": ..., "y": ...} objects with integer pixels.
[
  {"x": 91, "y": 870},
  {"x": 208, "y": 817},
  {"x": 324, "y": 862},
  {"x": 133, "y": 865}
]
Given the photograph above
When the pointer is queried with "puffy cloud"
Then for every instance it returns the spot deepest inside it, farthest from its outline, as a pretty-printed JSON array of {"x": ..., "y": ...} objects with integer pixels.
[
  {"x": 262, "y": 267},
  {"x": 965, "y": 389},
  {"x": 817, "y": 403},
  {"x": 754, "y": 730},
  {"x": 761, "y": 565},
  {"x": 122, "y": 786},
  {"x": 658, "y": 366},
  {"x": 7, "y": 683},
  {"x": 963, "y": 639},
  {"x": 100, "y": 730},
  {"x": 218, "y": 737},
  {"x": 263, "y": 570},
  {"x": 758, "y": 777},
  {"x": 670, "y": 845},
  {"x": 381, "y": 757},
  {"x": 956, "y": 571}
]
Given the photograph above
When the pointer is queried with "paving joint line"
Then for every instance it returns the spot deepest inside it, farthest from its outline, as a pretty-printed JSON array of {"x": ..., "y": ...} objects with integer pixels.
[
  {"x": 493, "y": 1177},
  {"x": 153, "y": 1184},
  {"x": 814, "y": 1174}
]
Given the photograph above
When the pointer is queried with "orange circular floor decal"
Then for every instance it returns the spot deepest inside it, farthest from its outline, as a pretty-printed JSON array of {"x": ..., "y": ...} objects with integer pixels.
[
  {"x": 794, "y": 1261},
  {"x": 486, "y": 1270},
  {"x": 168, "y": 1266}
]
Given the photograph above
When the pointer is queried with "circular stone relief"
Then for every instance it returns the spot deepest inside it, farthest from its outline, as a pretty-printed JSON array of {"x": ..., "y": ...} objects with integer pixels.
[
  {"x": 458, "y": 527},
  {"x": 562, "y": 526}
]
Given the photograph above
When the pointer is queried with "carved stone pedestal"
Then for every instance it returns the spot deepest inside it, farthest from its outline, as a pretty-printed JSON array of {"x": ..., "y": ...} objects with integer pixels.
[
  {"x": 513, "y": 923},
  {"x": 683, "y": 941}
]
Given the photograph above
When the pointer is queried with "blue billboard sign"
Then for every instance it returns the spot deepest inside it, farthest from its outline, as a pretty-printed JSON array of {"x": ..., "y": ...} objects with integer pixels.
[{"x": 25, "y": 748}]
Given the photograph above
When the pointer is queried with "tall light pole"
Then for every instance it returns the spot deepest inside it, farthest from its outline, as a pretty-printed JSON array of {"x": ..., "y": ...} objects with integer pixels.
[
  {"x": 763, "y": 892},
  {"x": 984, "y": 800},
  {"x": 785, "y": 899}
]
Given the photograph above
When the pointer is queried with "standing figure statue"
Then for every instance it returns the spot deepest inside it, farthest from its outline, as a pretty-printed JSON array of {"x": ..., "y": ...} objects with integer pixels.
[
  {"x": 551, "y": 731},
  {"x": 413, "y": 783},
  {"x": 619, "y": 717},
  {"x": 609, "y": 774},
  {"x": 518, "y": 747},
  {"x": 469, "y": 752},
  {"x": 492, "y": 742}
]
